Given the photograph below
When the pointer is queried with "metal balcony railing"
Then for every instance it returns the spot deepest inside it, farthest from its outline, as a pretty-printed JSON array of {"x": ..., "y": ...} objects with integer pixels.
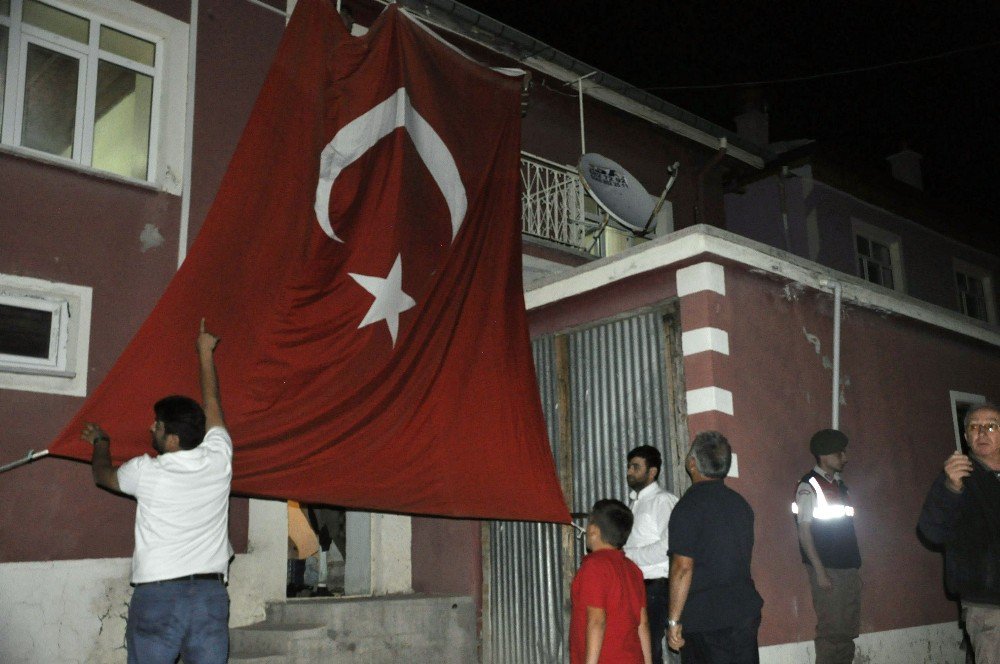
[{"x": 552, "y": 202}]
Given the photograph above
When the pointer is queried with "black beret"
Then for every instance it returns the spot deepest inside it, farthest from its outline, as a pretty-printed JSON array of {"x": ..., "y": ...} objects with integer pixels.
[{"x": 827, "y": 441}]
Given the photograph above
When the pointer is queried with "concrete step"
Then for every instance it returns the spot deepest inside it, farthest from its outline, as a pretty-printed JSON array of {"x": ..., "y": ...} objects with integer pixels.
[
  {"x": 356, "y": 630},
  {"x": 363, "y": 616},
  {"x": 286, "y": 641},
  {"x": 258, "y": 659}
]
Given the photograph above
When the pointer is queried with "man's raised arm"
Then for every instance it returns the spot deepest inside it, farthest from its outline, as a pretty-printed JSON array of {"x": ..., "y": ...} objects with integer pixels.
[{"x": 211, "y": 401}]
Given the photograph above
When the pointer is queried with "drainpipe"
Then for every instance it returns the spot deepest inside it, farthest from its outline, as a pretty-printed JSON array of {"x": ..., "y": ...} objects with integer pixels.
[
  {"x": 784, "y": 207},
  {"x": 835, "y": 285},
  {"x": 185, "y": 222},
  {"x": 699, "y": 207}
]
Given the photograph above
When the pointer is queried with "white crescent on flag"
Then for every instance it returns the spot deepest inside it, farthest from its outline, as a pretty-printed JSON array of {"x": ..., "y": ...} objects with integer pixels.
[{"x": 361, "y": 134}]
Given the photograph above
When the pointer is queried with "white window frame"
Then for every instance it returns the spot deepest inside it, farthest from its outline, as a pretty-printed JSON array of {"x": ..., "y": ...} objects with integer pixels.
[
  {"x": 55, "y": 363},
  {"x": 890, "y": 240},
  {"x": 168, "y": 116},
  {"x": 986, "y": 277},
  {"x": 65, "y": 370}
]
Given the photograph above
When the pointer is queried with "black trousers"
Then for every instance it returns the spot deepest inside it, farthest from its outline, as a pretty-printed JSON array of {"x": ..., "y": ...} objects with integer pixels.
[
  {"x": 657, "y": 608},
  {"x": 732, "y": 645}
]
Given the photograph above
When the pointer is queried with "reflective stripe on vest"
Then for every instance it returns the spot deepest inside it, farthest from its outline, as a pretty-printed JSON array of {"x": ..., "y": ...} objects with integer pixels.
[{"x": 824, "y": 510}]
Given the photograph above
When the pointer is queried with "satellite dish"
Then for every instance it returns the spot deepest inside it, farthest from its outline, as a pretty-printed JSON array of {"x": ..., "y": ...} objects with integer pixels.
[{"x": 623, "y": 199}]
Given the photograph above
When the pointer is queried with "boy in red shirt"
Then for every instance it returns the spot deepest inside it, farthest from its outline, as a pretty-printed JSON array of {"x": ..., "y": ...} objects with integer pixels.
[{"x": 608, "y": 623}]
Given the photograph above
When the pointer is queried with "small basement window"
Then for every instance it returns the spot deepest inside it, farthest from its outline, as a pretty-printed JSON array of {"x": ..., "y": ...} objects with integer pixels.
[
  {"x": 33, "y": 335},
  {"x": 44, "y": 335}
]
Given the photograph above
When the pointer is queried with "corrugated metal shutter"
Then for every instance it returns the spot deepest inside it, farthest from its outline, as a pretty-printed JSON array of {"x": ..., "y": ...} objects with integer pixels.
[{"x": 617, "y": 400}]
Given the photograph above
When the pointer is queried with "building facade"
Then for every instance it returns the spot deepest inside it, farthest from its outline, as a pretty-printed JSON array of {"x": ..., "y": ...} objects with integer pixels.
[{"x": 119, "y": 119}]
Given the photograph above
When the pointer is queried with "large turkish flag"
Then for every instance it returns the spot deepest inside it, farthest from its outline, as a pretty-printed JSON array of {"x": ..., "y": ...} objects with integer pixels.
[{"x": 362, "y": 265}]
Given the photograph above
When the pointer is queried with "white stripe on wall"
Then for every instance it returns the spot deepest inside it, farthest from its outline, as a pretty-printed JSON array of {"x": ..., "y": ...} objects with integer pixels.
[
  {"x": 705, "y": 399},
  {"x": 701, "y": 277},
  {"x": 705, "y": 339}
]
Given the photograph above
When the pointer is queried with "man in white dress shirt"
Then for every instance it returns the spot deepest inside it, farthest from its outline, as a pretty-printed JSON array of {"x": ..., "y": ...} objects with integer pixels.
[{"x": 647, "y": 545}]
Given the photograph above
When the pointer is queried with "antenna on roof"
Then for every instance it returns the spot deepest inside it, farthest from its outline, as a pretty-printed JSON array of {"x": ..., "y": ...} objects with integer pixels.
[{"x": 622, "y": 198}]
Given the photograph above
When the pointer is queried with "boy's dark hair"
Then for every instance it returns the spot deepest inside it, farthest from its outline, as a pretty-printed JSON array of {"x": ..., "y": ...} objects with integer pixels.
[
  {"x": 650, "y": 455},
  {"x": 613, "y": 519},
  {"x": 183, "y": 417}
]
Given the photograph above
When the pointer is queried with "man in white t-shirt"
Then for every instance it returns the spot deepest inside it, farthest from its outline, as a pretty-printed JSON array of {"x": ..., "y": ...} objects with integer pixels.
[{"x": 180, "y": 605}]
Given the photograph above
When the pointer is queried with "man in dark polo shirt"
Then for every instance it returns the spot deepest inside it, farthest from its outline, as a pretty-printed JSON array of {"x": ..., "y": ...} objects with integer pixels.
[{"x": 714, "y": 613}]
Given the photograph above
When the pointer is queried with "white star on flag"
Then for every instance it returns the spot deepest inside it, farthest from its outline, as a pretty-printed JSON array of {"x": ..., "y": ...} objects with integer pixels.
[{"x": 390, "y": 300}]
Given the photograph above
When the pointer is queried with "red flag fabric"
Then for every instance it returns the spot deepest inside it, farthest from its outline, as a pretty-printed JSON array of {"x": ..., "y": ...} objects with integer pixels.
[{"x": 361, "y": 264}]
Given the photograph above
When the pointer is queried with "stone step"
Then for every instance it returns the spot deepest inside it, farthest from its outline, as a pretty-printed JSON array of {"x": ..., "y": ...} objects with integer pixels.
[
  {"x": 258, "y": 659},
  {"x": 360, "y": 630},
  {"x": 270, "y": 639},
  {"x": 410, "y": 614}
]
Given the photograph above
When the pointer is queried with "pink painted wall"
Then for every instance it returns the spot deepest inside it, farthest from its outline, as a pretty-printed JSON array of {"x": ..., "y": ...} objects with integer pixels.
[
  {"x": 897, "y": 375},
  {"x": 75, "y": 227},
  {"x": 447, "y": 556}
]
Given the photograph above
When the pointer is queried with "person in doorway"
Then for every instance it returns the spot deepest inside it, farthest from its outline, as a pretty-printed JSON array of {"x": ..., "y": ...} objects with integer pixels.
[
  {"x": 608, "y": 624},
  {"x": 961, "y": 514},
  {"x": 180, "y": 606},
  {"x": 648, "y": 543},
  {"x": 829, "y": 547},
  {"x": 711, "y": 545}
]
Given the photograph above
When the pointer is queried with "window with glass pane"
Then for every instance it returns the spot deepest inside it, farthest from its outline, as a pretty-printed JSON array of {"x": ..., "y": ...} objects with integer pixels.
[
  {"x": 55, "y": 20},
  {"x": 50, "y": 100},
  {"x": 83, "y": 90},
  {"x": 874, "y": 261},
  {"x": 122, "y": 120},
  {"x": 25, "y": 332},
  {"x": 972, "y": 295},
  {"x": 127, "y": 46}
]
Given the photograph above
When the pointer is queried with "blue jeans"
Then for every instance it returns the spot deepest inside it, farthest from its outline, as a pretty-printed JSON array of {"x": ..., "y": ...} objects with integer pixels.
[{"x": 186, "y": 618}]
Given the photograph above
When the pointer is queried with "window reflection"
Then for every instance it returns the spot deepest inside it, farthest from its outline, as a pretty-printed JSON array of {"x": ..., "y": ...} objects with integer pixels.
[
  {"x": 55, "y": 20},
  {"x": 121, "y": 120},
  {"x": 50, "y": 92}
]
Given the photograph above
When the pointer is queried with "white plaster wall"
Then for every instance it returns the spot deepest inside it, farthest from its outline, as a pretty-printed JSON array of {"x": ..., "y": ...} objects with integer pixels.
[
  {"x": 65, "y": 611},
  {"x": 74, "y": 611},
  {"x": 391, "y": 568},
  {"x": 929, "y": 644},
  {"x": 259, "y": 575}
]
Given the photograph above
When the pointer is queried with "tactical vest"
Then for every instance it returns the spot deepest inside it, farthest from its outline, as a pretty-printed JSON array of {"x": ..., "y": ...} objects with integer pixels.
[{"x": 832, "y": 524}]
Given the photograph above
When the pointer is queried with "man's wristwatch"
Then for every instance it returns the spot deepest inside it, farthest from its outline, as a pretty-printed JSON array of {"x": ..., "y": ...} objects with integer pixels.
[{"x": 673, "y": 623}]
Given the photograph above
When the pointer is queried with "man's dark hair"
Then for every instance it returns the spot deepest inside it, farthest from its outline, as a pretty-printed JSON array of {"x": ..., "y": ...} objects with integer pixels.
[
  {"x": 614, "y": 520},
  {"x": 182, "y": 417},
  {"x": 712, "y": 454},
  {"x": 650, "y": 455}
]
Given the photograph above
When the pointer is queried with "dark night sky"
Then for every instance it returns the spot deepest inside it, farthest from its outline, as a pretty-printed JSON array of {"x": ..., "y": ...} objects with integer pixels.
[{"x": 943, "y": 107}]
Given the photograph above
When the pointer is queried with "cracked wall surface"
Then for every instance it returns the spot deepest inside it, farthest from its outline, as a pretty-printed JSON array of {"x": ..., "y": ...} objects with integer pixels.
[
  {"x": 64, "y": 612},
  {"x": 74, "y": 611}
]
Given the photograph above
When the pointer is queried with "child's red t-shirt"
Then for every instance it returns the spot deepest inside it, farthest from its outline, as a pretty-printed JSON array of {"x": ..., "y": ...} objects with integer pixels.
[{"x": 610, "y": 581}]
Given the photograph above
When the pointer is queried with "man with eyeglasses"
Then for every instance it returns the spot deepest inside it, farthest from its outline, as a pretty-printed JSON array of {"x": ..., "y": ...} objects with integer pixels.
[
  {"x": 961, "y": 514},
  {"x": 824, "y": 516}
]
